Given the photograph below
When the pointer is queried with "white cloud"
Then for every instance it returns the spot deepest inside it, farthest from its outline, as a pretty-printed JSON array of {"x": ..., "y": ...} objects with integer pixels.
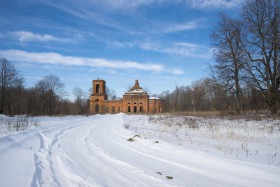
[
  {"x": 182, "y": 49},
  {"x": 26, "y": 36},
  {"x": 178, "y": 72},
  {"x": 92, "y": 11},
  {"x": 182, "y": 27},
  {"x": 185, "y": 49},
  {"x": 214, "y": 3},
  {"x": 191, "y": 50},
  {"x": 58, "y": 59},
  {"x": 126, "y": 4},
  {"x": 130, "y": 4}
]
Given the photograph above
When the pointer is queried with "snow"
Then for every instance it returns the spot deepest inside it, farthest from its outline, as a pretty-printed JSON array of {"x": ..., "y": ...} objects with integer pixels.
[
  {"x": 242, "y": 139},
  {"x": 95, "y": 151},
  {"x": 154, "y": 98},
  {"x": 137, "y": 91}
]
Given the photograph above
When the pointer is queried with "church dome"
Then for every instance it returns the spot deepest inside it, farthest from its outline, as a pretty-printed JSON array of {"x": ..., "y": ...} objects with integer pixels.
[{"x": 136, "y": 88}]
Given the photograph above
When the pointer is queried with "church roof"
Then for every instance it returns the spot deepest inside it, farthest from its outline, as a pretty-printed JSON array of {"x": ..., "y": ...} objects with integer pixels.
[{"x": 136, "y": 88}]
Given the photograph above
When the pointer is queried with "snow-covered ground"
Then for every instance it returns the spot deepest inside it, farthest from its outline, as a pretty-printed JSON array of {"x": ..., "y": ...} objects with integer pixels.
[
  {"x": 125, "y": 150},
  {"x": 241, "y": 139}
]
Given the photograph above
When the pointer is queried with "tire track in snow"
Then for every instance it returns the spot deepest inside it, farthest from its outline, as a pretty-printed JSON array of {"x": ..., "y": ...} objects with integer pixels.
[
  {"x": 44, "y": 174},
  {"x": 120, "y": 170},
  {"x": 68, "y": 151},
  {"x": 77, "y": 162},
  {"x": 73, "y": 162},
  {"x": 123, "y": 173}
]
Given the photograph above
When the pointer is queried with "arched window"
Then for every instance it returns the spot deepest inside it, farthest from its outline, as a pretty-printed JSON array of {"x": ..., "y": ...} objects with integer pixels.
[
  {"x": 97, "y": 88},
  {"x": 96, "y": 108}
]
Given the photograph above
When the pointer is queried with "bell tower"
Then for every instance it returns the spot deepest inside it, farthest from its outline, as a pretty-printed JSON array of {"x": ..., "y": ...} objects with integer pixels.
[
  {"x": 98, "y": 96},
  {"x": 99, "y": 88}
]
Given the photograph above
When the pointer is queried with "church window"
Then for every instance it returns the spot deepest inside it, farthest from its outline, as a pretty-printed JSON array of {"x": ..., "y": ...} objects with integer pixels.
[{"x": 97, "y": 88}]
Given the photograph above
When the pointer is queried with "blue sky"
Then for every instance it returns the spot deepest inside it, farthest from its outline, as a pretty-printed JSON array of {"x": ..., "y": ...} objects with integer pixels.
[{"x": 162, "y": 43}]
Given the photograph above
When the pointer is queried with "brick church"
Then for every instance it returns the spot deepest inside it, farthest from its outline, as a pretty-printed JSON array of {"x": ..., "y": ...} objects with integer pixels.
[{"x": 136, "y": 100}]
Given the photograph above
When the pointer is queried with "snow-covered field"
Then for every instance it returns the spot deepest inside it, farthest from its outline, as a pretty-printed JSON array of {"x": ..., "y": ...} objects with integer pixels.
[
  {"x": 242, "y": 139},
  {"x": 127, "y": 150}
]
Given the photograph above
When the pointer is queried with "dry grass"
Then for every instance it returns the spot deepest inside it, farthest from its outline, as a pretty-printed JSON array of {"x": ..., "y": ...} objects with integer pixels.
[
  {"x": 169, "y": 177},
  {"x": 132, "y": 139},
  {"x": 248, "y": 115}
]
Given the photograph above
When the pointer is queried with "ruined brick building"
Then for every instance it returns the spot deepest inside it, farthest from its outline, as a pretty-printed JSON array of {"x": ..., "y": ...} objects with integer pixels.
[{"x": 136, "y": 100}]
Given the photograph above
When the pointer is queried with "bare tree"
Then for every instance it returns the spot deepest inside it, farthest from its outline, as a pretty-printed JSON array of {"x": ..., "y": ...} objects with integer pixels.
[
  {"x": 79, "y": 99},
  {"x": 16, "y": 93},
  {"x": 165, "y": 95},
  {"x": 52, "y": 83},
  {"x": 174, "y": 99},
  {"x": 199, "y": 94},
  {"x": 219, "y": 96},
  {"x": 111, "y": 94},
  {"x": 229, "y": 56},
  {"x": 33, "y": 97},
  {"x": 9, "y": 77},
  {"x": 262, "y": 45},
  {"x": 185, "y": 98},
  {"x": 51, "y": 90}
]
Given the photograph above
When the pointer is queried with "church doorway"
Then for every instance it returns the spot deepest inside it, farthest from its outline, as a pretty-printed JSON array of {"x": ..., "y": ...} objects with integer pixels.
[{"x": 96, "y": 109}]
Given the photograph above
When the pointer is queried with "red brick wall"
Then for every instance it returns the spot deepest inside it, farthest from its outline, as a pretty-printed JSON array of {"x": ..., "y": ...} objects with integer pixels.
[{"x": 137, "y": 102}]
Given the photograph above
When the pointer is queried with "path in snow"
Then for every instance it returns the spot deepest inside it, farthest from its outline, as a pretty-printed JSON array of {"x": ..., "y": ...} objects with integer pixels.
[{"x": 94, "y": 151}]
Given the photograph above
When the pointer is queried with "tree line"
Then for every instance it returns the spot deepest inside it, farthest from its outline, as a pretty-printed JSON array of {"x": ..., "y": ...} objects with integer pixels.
[
  {"x": 46, "y": 97},
  {"x": 208, "y": 95}
]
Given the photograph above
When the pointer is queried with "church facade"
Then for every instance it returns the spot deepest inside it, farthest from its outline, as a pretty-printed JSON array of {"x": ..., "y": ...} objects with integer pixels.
[{"x": 136, "y": 100}]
